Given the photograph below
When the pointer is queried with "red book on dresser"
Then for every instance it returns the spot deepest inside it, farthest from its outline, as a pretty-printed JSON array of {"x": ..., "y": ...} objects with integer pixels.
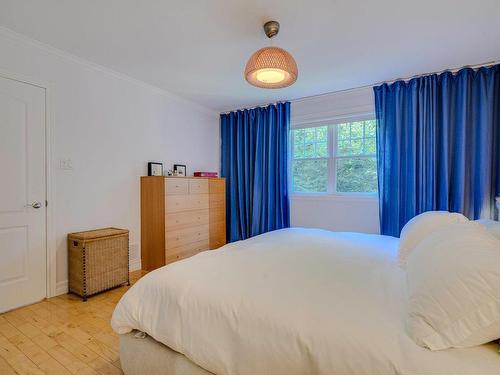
[{"x": 206, "y": 174}]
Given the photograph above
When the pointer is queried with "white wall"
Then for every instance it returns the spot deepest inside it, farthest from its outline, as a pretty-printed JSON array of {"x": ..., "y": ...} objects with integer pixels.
[
  {"x": 334, "y": 212},
  {"x": 109, "y": 126},
  {"x": 351, "y": 214}
]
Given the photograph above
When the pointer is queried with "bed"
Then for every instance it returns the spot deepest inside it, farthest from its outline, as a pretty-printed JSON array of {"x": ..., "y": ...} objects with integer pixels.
[{"x": 293, "y": 301}]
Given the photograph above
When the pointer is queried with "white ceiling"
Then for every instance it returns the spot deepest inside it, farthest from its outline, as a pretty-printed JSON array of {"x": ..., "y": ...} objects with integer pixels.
[{"x": 198, "y": 48}]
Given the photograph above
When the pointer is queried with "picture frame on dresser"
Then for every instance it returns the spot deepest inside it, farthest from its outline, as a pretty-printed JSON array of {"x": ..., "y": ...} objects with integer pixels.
[
  {"x": 180, "y": 170},
  {"x": 155, "y": 169}
]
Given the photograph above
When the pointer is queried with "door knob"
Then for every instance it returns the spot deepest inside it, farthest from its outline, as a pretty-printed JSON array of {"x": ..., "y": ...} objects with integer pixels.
[{"x": 34, "y": 205}]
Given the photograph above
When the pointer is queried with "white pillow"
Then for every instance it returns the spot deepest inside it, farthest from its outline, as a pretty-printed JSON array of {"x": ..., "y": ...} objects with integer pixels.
[
  {"x": 454, "y": 288},
  {"x": 421, "y": 226},
  {"x": 491, "y": 225}
]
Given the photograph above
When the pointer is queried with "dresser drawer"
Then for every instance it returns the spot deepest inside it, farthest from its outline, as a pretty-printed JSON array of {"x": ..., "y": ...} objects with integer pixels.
[
  {"x": 176, "y": 203},
  {"x": 198, "y": 186},
  {"x": 180, "y": 220},
  {"x": 197, "y": 202},
  {"x": 185, "y": 236},
  {"x": 176, "y": 186},
  {"x": 185, "y": 251}
]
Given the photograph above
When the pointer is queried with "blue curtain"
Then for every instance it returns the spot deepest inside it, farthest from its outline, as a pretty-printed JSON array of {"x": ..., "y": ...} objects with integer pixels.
[
  {"x": 254, "y": 157},
  {"x": 438, "y": 141}
]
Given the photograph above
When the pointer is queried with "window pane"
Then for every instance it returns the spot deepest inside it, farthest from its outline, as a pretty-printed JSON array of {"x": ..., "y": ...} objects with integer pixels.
[
  {"x": 298, "y": 150},
  {"x": 370, "y": 146},
  {"x": 356, "y": 175},
  {"x": 322, "y": 149},
  {"x": 344, "y": 148},
  {"x": 310, "y": 175},
  {"x": 357, "y": 129},
  {"x": 310, "y": 152},
  {"x": 299, "y": 135},
  {"x": 357, "y": 146},
  {"x": 370, "y": 128},
  {"x": 310, "y": 134},
  {"x": 356, "y": 138},
  {"x": 322, "y": 133},
  {"x": 343, "y": 131},
  {"x": 310, "y": 142}
]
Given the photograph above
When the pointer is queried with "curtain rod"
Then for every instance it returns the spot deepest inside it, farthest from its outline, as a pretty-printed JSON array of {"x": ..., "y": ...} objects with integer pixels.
[
  {"x": 452, "y": 70},
  {"x": 256, "y": 106}
]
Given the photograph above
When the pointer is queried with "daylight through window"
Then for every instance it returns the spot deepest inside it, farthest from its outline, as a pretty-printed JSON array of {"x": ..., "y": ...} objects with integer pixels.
[{"x": 338, "y": 158}]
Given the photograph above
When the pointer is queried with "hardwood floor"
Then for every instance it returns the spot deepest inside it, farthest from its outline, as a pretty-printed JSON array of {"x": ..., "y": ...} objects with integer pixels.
[{"x": 62, "y": 335}]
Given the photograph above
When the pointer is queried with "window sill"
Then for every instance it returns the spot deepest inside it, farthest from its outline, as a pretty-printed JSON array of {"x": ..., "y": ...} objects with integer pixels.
[{"x": 335, "y": 196}]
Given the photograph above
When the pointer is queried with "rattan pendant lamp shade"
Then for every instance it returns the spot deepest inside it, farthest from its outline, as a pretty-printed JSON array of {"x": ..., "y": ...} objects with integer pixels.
[{"x": 271, "y": 67}]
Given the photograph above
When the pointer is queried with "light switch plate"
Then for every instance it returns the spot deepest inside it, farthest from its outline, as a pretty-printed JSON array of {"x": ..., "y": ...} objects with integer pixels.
[{"x": 66, "y": 164}]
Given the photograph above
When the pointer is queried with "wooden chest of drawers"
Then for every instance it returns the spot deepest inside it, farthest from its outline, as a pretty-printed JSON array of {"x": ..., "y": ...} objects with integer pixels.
[{"x": 180, "y": 216}]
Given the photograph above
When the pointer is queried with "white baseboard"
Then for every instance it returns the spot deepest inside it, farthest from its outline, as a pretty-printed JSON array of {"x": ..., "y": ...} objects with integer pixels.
[
  {"x": 61, "y": 287},
  {"x": 135, "y": 264}
]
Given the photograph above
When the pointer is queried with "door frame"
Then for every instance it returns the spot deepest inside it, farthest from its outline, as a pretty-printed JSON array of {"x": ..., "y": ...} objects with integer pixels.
[{"x": 50, "y": 237}]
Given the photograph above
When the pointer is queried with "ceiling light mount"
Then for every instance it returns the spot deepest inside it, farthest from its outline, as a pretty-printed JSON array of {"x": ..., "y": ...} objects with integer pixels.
[
  {"x": 271, "y": 67},
  {"x": 271, "y": 28}
]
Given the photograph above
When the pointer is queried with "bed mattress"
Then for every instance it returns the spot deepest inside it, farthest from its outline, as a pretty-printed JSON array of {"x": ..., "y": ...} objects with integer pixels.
[{"x": 294, "y": 301}]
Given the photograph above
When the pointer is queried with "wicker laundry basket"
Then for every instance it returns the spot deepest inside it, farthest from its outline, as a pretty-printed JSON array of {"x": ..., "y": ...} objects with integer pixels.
[{"x": 98, "y": 260}]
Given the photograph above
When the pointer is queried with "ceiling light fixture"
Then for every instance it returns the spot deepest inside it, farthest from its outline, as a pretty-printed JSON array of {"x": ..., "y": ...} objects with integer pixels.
[{"x": 271, "y": 67}]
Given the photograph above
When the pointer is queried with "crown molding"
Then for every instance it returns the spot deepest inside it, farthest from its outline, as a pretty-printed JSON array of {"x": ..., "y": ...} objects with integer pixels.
[{"x": 21, "y": 38}]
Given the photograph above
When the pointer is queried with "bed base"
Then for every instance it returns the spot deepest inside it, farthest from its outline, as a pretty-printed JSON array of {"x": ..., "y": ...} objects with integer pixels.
[{"x": 146, "y": 356}]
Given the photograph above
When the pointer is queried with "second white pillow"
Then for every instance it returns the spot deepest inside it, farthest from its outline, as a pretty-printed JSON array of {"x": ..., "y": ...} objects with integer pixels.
[
  {"x": 421, "y": 226},
  {"x": 454, "y": 288}
]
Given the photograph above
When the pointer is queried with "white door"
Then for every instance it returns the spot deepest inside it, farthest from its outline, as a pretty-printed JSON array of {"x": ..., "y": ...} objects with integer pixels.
[{"x": 22, "y": 194}]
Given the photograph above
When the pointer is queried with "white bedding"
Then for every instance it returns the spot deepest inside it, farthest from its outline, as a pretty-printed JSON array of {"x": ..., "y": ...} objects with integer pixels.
[{"x": 294, "y": 301}]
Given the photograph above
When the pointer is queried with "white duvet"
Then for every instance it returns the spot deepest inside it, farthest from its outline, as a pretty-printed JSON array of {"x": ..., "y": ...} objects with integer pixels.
[{"x": 294, "y": 301}]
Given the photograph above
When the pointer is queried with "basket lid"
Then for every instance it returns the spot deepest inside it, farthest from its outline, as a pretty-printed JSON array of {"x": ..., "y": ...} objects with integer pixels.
[{"x": 97, "y": 233}]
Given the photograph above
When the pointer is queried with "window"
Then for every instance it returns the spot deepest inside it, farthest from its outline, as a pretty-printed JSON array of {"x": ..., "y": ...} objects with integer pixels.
[
  {"x": 310, "y": 159},
  {"x": 336, "y": 158}
]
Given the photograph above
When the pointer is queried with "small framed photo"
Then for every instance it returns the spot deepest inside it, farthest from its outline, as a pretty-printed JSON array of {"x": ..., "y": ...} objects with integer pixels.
[
  {"x": 180, "y": 170},
  {"x": 155, "y": 169}
]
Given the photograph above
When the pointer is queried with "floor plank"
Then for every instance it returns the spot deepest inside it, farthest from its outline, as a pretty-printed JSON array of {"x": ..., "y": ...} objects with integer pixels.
[{"x": 62, "y": 335}]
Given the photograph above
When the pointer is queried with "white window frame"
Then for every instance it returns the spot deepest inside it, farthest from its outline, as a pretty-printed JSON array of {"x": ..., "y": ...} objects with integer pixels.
[{"x": 332, "y": 158}]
